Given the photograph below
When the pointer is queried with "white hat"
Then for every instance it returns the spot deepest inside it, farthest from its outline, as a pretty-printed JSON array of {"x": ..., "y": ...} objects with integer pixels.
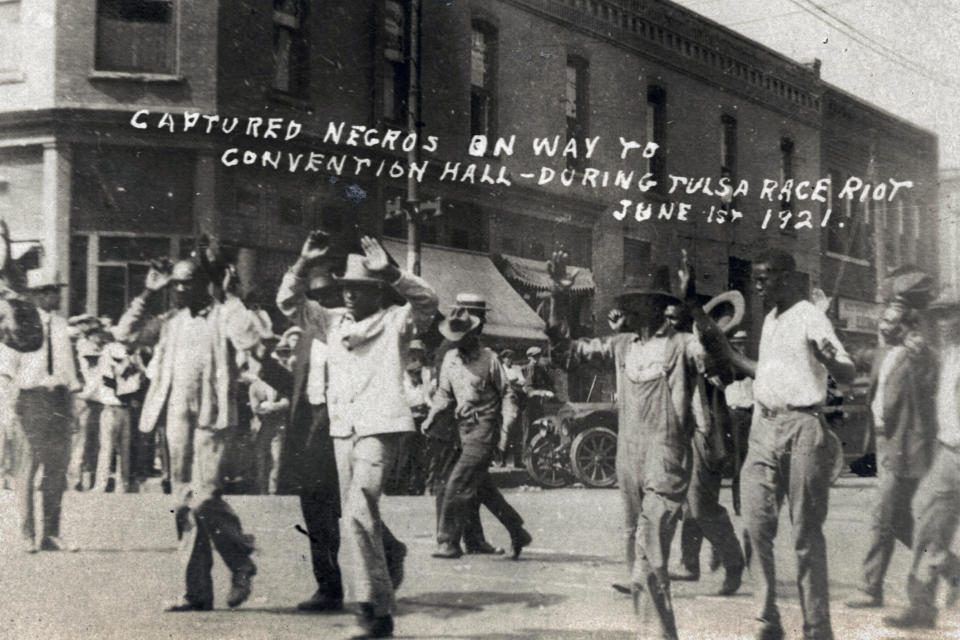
[{"x": 44, "y": 278}]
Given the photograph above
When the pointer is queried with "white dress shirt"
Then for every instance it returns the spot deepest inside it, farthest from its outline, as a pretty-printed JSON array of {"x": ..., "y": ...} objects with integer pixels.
[
  {"x": 30, "y": 370},
  {"x": 317, "y": 373},
  {"x": 948, "y": 405},
  {"x": 788, "y": 373}
]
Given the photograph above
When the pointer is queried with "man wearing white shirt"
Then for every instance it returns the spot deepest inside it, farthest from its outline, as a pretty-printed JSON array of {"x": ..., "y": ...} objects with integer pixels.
[
  {"x": 45, "y": 378},
  {"x": 789, "y": 453}
]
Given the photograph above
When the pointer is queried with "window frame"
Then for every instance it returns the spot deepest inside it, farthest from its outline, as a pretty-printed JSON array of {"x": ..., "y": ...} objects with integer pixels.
[
  {"x": 578, "y": 126},
  {"x": 656, "y": 130},
  {"x": 174, "y": 42},
  {"x": 298, "y": 49},
  {"x": 488, "y": 91}
]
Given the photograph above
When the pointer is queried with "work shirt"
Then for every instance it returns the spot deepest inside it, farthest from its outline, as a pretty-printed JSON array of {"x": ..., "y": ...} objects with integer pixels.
[
  {"x": 317, "y": 373},
  {"x": 365, "y": 359},
  {"x": 478, "y": 384},
  {"x": 50, "y": 366},
  {"x": 789, "y": 376},
  {"x": 117, "y": 367},
  {"x": 948, "y": 403}
]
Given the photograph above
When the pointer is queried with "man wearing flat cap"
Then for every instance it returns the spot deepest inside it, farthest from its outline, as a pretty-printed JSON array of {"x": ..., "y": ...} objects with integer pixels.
[
  {"x": 473, "y": 379},
  {"x": 193, "y": 388},
  {"x": 366, "y": 355}
]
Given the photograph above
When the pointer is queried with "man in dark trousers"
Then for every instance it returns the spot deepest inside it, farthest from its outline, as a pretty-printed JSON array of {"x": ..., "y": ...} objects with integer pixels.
[
  {"x": 902, "y": 397},
  {"x": 308, "y": 466}
]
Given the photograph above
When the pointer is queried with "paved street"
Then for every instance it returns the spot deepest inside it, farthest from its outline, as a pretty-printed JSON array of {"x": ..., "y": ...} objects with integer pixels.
[{"x": 114, "y": 587}]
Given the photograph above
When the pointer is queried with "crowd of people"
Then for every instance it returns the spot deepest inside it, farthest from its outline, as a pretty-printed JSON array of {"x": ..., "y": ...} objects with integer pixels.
[{"x": 347, "y": 404}]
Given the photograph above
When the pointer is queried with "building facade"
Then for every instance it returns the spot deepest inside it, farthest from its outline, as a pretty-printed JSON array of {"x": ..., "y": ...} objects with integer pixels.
[{"x": 102, "y": 197}]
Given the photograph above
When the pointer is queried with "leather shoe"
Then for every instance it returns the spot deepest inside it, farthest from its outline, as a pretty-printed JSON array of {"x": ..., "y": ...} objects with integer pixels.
[
  {"x": 685, "y": 575},
  {"x": 53, "y": 543},
  {"x": 183, "y": 605},
  {"x": 912, "y": 619},
  {"x": 622, "y": 588},
  {"x": 27, "y": 545},
  {"x": 485, "y": 548},
  {"x": 395, "y": 564},
  {"x": 319, "y": 603},
  {"x": 242, "y": 586},
  {"x": 865, "y": 601},
  {"x": 731, "y": 581},
  {"x": 374, "y": 626},
  {"x": 769, "y": 630},
  {"x": 448, "y": 551},
  {"x": 519, "y": 541}
]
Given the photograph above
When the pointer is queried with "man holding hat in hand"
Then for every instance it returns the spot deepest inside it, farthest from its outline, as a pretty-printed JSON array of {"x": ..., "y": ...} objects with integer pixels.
[
  {"x": 473, "y": 378},
  {"x": 367, "y": 351}
]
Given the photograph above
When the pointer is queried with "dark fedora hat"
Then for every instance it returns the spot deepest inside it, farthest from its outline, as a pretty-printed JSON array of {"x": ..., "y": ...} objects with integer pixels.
[
  {"x": 357, "y": 272},
  {"x": 458, "y": 324}
]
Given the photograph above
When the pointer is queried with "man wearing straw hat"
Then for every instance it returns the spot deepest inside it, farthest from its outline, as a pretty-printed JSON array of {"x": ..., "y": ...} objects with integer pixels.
[
  {"x": 45, "y": 379},
  {"x": 473, "y": 378},
  {"x": 367, "y": 350}
]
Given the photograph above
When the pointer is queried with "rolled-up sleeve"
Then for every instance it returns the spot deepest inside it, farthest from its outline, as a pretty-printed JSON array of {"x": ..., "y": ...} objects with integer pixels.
[{"x": 422, "y": 301}]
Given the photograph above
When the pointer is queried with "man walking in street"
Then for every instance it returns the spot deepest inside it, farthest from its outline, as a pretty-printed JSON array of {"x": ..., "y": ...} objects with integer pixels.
[
  {"x": 789, "y": 453},
  {"x": 45, "y": 379},
  {"x": 308, "y": 466},
  {"x": 938, "y": 497},
  {"x": 367, "y": 348},
  {"x": 472, "y": 377},
  {"x": 193, "y": 388},
  {"x": 902, "y": 403}
]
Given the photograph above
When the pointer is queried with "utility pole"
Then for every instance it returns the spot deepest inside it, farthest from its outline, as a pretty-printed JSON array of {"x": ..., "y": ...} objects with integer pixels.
[{"x": 413, "y": 156}]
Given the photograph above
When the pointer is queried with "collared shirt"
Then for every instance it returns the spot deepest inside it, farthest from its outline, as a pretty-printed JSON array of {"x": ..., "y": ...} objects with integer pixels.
[
  {"x": 889, "y": 359},
  {"x": 418, "y": 393},
  {"x": 478, "y": 385},
  {"x": 788, "y": 373},
  {"x": 366, "y": 359},
  {"x": 30, "y": 370},
  {"x": 317, "y": 373},
  {"x": 948, "y": 403}
]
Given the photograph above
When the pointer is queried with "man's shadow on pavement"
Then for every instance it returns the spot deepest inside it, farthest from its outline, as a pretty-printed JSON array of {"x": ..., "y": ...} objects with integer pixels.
[{"x": 453, "y": 604}]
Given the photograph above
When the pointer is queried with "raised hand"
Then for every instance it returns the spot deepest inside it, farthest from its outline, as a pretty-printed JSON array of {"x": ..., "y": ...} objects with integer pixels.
[
  {"x": 376, "y": 259},
  {"x": 688, "y": 289},
  {"x": 315, "y": 246},
  {"x": 159, "y": 274},
  {"x": 557, "y": 268},
  {"x": 616, "y": 319}
]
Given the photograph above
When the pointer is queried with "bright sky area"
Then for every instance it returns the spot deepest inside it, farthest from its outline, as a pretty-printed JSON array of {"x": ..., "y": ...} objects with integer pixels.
[{"x": 899, "y": 55}]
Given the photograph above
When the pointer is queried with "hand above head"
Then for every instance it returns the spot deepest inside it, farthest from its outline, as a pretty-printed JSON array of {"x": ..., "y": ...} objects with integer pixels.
[
  {"x": 315, "y": 246},
  {"x": 376, "y": 258},
  {"x": 159, "y": 274},
  {"x": 688, "y": 288},
  {"x": 557, "y": 269},
  {"x": 617, "y": 320}
]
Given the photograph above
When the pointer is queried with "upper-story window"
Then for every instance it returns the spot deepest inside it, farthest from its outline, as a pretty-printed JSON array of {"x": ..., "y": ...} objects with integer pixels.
[
  {"x": 728, "y": 146},
  {"x": 657, "y": 132},
  {"x": 395, "y": 87},
  {"x": 137, "y": 36},
  {"x": 291, "y": 52},
  {"x": 576, "y": 107},
  {"x": 483, "y": 77}
]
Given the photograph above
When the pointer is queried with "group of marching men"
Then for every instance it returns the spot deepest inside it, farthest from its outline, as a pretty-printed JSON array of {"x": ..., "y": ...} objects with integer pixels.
[{"x": 350, "y": 397}]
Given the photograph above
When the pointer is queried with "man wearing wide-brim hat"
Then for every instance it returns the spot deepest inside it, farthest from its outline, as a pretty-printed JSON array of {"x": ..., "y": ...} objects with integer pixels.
[
  {"x": 45, "y": 379},
  {"x": 656, "y": 373},
  {"x": 367, "y": 352},
  {"x": 473, "y": 379}
]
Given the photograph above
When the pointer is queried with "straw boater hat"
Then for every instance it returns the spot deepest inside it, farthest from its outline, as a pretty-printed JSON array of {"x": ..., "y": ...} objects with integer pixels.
[
  {"x": 726, "y": 309},
  {"x": 357, "y": 272},
  {"x": 458, "y": 324},
  {"x": 473, "y": 302}
]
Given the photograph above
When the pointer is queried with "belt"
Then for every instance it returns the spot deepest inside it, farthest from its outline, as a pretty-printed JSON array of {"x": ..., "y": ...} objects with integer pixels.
[{"x": 769, "y": 414}]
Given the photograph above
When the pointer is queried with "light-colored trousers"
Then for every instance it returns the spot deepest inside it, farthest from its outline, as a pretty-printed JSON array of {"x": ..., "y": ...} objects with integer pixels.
[
  {"x": 114, "y": 438},
  {"x": 363, "y": 464}
]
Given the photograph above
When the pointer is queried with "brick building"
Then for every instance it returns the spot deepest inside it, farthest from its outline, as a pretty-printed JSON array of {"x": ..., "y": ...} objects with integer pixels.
[{"x": 102, "y": 197}]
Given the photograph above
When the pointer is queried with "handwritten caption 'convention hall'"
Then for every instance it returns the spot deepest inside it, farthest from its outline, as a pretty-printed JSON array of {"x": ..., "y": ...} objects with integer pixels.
[{"x": 789, "y": 194}]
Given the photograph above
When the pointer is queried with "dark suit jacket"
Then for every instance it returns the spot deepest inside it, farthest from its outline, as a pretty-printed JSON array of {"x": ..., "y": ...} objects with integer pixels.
[{"x": 906, "y": 439}]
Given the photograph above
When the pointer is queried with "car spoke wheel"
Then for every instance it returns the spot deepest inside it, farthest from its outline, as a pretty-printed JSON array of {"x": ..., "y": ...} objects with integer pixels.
[
  {"x": 593, "y": 456},
  {"x": 546, "y": 462}
]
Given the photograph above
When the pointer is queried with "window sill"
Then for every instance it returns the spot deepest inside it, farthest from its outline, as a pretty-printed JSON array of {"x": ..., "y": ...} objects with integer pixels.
[
  {"x": 290, "y": 100},
  {"x": 130, "y": 76},
  {"x": 12, "y": 77},
  {"x": 850, "y": 259}
]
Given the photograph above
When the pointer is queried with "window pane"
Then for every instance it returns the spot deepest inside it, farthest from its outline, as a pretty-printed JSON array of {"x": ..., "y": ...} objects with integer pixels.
[
  {"x": 478, "y": 58},
  {"x": 571, "y": 107},
  {"x": 78, "y": 274},
  {"x": 111, "y": 291},
  {"x": 129, "y": 249},
  {"x": 135, "y": 35}
]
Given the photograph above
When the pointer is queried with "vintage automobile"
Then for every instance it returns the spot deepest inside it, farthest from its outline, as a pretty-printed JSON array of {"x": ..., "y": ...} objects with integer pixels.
[{"x": 576, "y": 442}]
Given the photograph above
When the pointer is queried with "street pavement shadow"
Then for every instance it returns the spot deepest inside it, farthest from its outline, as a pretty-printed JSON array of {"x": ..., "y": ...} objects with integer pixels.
[
  {"x": 590, "y": 560},
  {"x": 554, "y": 634},
  {"x": 453, "y": 604}
]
